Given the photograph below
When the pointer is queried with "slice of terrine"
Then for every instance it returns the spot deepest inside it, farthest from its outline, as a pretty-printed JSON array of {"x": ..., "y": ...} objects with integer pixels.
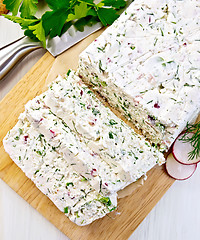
[
  {"x": 52, "y": 174},
  {"x": 146, "y": 65},
  {"x": 103, "y": 177},
  {"x": 101, "y": 130}
]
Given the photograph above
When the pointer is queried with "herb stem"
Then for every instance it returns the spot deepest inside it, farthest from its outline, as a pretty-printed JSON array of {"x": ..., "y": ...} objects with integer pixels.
[{"x": 193, "y": 139}]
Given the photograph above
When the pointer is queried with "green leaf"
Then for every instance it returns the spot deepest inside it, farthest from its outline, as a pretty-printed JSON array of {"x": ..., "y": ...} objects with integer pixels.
[
  {"x": 92, "y": 12},
  {"x": 83, "y": 179},
  {"x": 112, "y": 122},
  {"x": 53, "y": 21},
  {"x": 69, "y": 183},
  {"x": 95, "y": 111},
  {"x": 111, "y": 135},
  {"x": 39, "y": 152},
  {"x": 105, "y": 200},
  {"x": 64, "y": 13},
  {"x": 20, "y": 131},
  {"x": 117, "y": 4},
  {"x": 112, "y": 209},
  {"x": 91, "y": 20},
  {"x": 39, "y": 32},
  {"x": 86, "y": 21},
  {"x": 23, "y": 22},
  {"x": 13, "y": 6},
  {"x": 107, "y": 15},
  {"x": 66, "y": 26},
  {"x": 103, "y": 83},
  {"x": 30, "y": 34},
  {"x": 80, "y": 24},
  {"x": 57, "y": 4},
  {"x": 68, "y": 72},
  {"x": 80, "y": 11},
  {"x": 28, "y": 7},
  {"x": 66, "y": 210},
  {"x": 36, "y": 171}
]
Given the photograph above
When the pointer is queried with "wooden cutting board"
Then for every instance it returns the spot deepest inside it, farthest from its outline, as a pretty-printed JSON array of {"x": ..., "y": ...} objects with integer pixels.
[{"x": 133, "y": 208}]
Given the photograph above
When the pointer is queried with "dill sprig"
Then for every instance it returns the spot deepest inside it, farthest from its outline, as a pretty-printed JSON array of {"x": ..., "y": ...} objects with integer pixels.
[{"x": 193, "y": 139}]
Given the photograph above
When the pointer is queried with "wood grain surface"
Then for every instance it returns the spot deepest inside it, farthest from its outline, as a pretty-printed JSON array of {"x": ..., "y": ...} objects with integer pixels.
[{"x": 117, "y": 225}]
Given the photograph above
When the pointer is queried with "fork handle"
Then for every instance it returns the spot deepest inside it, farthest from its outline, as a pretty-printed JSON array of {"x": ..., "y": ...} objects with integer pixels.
[{"x": 12, "y": 53}]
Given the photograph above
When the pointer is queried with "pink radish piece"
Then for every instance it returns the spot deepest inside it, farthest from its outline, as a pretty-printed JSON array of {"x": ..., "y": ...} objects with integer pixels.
[
  {"x": 181, "y": 149},
  {"x": 177, "y": 170}
]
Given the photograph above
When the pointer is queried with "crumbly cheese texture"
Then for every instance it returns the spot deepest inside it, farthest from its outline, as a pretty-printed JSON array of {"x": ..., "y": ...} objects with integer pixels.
[
  {"x": 101, "y": 130},
  {"x": 54, "y": 176},
  {"x": 146, "y": 65}
]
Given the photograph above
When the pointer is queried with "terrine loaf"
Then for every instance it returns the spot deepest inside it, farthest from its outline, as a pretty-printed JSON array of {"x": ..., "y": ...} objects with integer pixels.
[{"x": 146, "y": 65}]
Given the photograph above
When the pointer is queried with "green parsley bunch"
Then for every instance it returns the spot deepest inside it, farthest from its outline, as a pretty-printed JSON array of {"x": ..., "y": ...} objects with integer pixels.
[{"x": 62, "y": 14}]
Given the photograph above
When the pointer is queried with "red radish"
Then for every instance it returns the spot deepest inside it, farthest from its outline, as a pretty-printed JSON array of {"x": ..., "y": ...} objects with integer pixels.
[
  {"x": 181, "y": 149},
  {"x": 94, "y": 172},
  {"x": 25, "y": 138},
  {"x": 54, "y": 134},
  {"x": 177, "y": 170}
]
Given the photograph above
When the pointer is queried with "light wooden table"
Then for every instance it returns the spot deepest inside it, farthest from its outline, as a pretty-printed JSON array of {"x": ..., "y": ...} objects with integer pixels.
[{"x": 175, "y": 217}]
